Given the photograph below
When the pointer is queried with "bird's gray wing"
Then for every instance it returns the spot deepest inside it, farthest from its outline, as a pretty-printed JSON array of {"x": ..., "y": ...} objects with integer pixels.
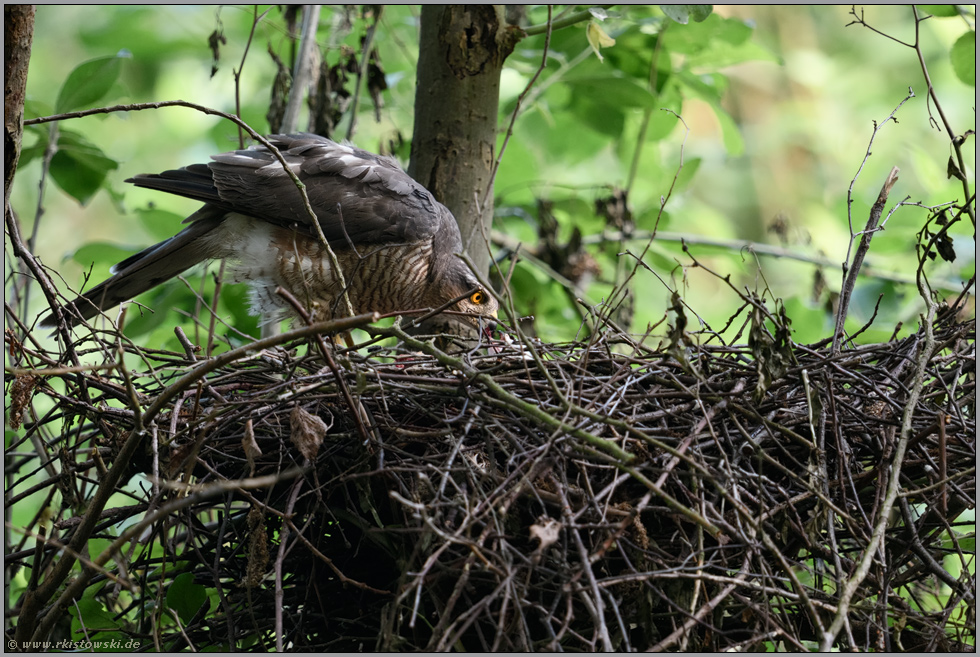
[{"x": 349, "y": 189}]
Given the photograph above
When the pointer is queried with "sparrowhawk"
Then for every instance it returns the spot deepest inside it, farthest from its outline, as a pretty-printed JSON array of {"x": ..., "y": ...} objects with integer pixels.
[{"x": 397, "y": 246}]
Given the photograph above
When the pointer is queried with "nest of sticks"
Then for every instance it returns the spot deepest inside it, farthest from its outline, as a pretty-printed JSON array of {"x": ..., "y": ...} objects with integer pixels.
[{"x": 541, "y": 497}]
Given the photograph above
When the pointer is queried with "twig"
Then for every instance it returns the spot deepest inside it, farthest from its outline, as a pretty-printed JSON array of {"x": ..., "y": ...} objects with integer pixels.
[
  {"x": 585, "y": 563},
  {"x": 894, "y": 474},
  {"x": 955, "y": 140},
  {"x": 517, "y": 109},
  {"x": 568, "y": 21},
  {"x": 34, "y": 599},
  {"x": 281, "y": 557},
  {"x": 620, "y": 288},
  {"x": 362, "y": 69},
  {"x": 668, "y": 641},
  {"x": 237, "y": 73},
  {"x": 356, "y": 407},
  {"x": 847, "y": 289},
  {"x": 303, "y": 69}
]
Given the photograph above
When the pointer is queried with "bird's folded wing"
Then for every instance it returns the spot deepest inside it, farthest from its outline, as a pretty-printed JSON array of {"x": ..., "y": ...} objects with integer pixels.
[{"x": 352, "y": 191}]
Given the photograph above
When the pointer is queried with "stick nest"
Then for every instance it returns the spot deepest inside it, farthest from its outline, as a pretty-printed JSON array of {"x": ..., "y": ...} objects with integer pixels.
[{"x": 547, "y": 497}]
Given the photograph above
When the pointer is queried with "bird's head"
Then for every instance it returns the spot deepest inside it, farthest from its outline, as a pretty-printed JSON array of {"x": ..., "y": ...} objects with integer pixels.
[
  {"x": 475, "y": 305},
  {"x": 480, "y": 303}
]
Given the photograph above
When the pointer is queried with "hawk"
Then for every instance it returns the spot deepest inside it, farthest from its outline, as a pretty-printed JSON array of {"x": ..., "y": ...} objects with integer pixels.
[{"x": 396, "y": 245}]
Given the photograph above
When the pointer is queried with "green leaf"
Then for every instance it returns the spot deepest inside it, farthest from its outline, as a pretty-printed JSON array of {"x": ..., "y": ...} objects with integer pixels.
[
  {"x": 632, "y": 56},
  {"x": 942, "y": 11},
  {"x": 681, "y": 13},
  {"x": 79, "y": 167},
  {"x": 600, "y": 117},
  {"x": 964, "y": 57},
  {"x": 160, "y": 224},
  {"x": 89, "y": 82},
  {"x": 609, "y": 90},
  {"x": 88, "y": 616},
  {"x": 709, "y": 87},
  {"x": 810, "y": 322},
  {"x": 234, "y": 302},
  {"x": 720, "y": 55},
  {"x": 550, "y": 139},
  {"x": 691, "y": 166},
  {"x": 35, "y": 108},
  {"x": 662, "y": 122},
  {"x": 160, "y": 303},
  {"x": 519, "y": 165},
  {"x": 186, "y": 597},
  {"x": 730, "y": 133},
  {"x": 865, "y": 299},
  {"x": 35, "y": 150},
  {"x": 676, "y": 13},
  {"x": 713, "y": 32},
  {"x": 700, "y": 12},
  {"x": 100, "y": 253}
]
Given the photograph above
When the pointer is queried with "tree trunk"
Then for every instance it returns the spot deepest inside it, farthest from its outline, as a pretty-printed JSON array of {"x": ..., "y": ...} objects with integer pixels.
[
  {"x": 462, "y": 49},
  {"x": 18, "y": 35}
]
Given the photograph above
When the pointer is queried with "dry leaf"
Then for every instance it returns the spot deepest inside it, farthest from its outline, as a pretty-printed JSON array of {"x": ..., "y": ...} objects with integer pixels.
[
  {"x": 258, "y": 548},
  {"x": 598, "y": 38},
  {"x": 546, "y": 531},
  {"x": 306, "y": 432},
  {"x": 21, "y": 392},
  {"x": 250, "y": 446}
]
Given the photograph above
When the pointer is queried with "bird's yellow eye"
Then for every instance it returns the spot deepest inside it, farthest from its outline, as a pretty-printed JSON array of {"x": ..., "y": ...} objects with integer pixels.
[{"x": 479, "y": 298}]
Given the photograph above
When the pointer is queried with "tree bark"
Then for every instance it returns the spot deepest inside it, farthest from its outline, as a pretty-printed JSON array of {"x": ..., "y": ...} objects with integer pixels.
[
  {"x": 462, "y": 49},
  {"x": 18, "y": 35}
]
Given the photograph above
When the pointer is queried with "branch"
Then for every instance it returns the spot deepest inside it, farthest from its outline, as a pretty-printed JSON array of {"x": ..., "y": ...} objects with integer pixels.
[
  {"x": 884, "y": 511},
  {"x": 517, "y": 109},
  {"x": 956, "y": 140},
  {"x": 237, "y": 73},
  {"x": 569, "y": 20},
  {"x": 852, "y": 273},
  {"x": 362, "y": 69},
  {"x": 303, "y": 72}
]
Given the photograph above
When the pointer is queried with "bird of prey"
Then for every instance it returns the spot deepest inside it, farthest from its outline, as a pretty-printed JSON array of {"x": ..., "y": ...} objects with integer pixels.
[{"x": 396, "y": 245}]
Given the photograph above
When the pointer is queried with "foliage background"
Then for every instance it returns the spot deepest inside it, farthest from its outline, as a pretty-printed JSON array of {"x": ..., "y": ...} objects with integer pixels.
[{"x": 780, "y": 104}]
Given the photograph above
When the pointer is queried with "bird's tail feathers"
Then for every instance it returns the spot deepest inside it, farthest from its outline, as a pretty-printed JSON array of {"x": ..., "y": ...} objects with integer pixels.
[{"x": 146, "y": 269}]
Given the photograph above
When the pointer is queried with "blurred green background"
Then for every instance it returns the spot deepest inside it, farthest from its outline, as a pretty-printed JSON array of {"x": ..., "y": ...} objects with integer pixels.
[{"x": 779, "y": 105}]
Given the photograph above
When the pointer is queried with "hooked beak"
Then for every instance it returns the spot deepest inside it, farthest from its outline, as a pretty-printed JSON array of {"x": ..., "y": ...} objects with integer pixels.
[{"x": 488, "y": 328}]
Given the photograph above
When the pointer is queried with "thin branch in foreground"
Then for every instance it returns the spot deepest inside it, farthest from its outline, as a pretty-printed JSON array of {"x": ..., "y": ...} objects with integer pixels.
[{"x": 852, "y": 271}]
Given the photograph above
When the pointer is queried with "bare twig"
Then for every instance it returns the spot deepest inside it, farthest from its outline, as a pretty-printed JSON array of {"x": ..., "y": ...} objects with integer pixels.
[
  {"x": 567, "y": 21},
  {"x": 303, "y": 69},
  {"x": 517, "y": 109},
  {"x": 366, "y": 46},
  {"x": 237, "y": 73},
  {"x": 894, "y": 472},
  {"x": 851, "y": 271}
]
